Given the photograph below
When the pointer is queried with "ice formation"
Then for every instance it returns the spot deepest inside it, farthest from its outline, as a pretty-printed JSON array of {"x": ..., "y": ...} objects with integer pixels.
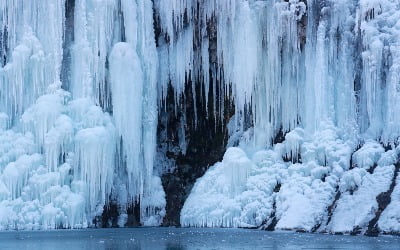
[
  {"x": 63, "y": 156},
  {"x": 313, "y": 139},
  {"x": 324, "y": 73}
]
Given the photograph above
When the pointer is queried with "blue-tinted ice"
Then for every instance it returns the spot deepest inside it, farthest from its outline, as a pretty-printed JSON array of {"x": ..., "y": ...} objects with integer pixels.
[{"x": 187, "y": 238}]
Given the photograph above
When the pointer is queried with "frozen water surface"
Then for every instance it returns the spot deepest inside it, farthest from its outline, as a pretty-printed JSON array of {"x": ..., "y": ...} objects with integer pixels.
[
  {"x": 186, "y": 238},
  {"x": 83, "y": 85}
]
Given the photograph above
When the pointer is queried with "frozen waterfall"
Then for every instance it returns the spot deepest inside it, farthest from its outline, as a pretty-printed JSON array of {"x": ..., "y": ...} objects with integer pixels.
[
  {"x": 313, "y": 136},
  {"x": 68, "y": 84}
]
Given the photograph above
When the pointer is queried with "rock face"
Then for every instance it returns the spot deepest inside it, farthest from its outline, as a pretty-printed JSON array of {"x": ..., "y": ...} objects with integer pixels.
[
  {"x": 205, "y": 145},
  {"x": 192, "y": 127}
]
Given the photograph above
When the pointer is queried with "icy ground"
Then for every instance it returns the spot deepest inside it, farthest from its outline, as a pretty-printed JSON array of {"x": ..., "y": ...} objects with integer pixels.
[{"x": 184, "y": 238}]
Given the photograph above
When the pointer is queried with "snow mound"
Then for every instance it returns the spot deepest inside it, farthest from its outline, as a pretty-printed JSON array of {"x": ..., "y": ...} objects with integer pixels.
[
  {"x": 319, "y": 192},
  {"x": 296, "y": 194},
  {"x": 357, "y": 207},
  {"x": 235, "y": 192}
]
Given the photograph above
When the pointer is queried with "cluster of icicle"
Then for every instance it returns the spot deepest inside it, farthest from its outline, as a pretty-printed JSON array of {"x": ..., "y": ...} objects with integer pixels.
[
  {"x": 63, "y": 156},
  {"x": 296, "y": 62}
]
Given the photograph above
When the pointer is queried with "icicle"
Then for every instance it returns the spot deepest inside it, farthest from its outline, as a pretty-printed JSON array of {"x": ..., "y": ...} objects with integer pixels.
[
  {"x": 34, "y": 37},
  {"x": 40, "y": 118},
  {"x": 4, "y": 121},
  {"x": 127, "y": 88},
  {"x": 94, "y": 149},
  {"x": 93, "y": 27}
]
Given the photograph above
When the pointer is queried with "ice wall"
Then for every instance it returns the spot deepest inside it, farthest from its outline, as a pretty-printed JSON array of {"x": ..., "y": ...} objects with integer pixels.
[
  {"x": 70, "y": 148},
  {"x": 320, "y": 77},
  {"x": 295, "y": 62}
]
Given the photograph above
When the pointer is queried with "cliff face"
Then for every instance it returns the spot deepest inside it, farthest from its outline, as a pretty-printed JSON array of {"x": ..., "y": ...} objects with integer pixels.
[{"x": 234, "y": 113}]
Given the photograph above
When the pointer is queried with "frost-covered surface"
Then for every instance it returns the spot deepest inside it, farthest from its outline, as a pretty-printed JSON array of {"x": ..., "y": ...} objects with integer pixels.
[
  {"x": 233, "y": 193},
  {"x": 306, "y": 189},
  {"x": 356, "y": 208}
]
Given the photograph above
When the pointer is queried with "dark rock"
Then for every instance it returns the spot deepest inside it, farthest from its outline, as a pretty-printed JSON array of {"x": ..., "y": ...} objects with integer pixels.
[
  {"x": 372, "y": 169},
  {"x": 332, "y": 207},
  {"x": 109, "y": 217},
  {"x": 356, "y": 231},
  {"x": 270, "y": 223},
  {"x": 206, "y": 136},
  {"x": 111, "y": 213},
  {"x": 68, "y": 39},
  {"x": 383, "y": 200},
  {"x": 277, "y": 188}
]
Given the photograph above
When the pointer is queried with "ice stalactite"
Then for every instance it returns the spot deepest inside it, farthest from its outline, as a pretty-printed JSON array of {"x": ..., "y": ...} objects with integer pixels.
[
  {"x": 93, "y": 37},
  {"x": 127, "y": 87},
  {"x": 29, "y": 72},
  {"x": 133, "y": 76},
  {"x": 328, "y": 92},
  {"x": 93, "y": 165},
  {"x": 245, "y": 61}
]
